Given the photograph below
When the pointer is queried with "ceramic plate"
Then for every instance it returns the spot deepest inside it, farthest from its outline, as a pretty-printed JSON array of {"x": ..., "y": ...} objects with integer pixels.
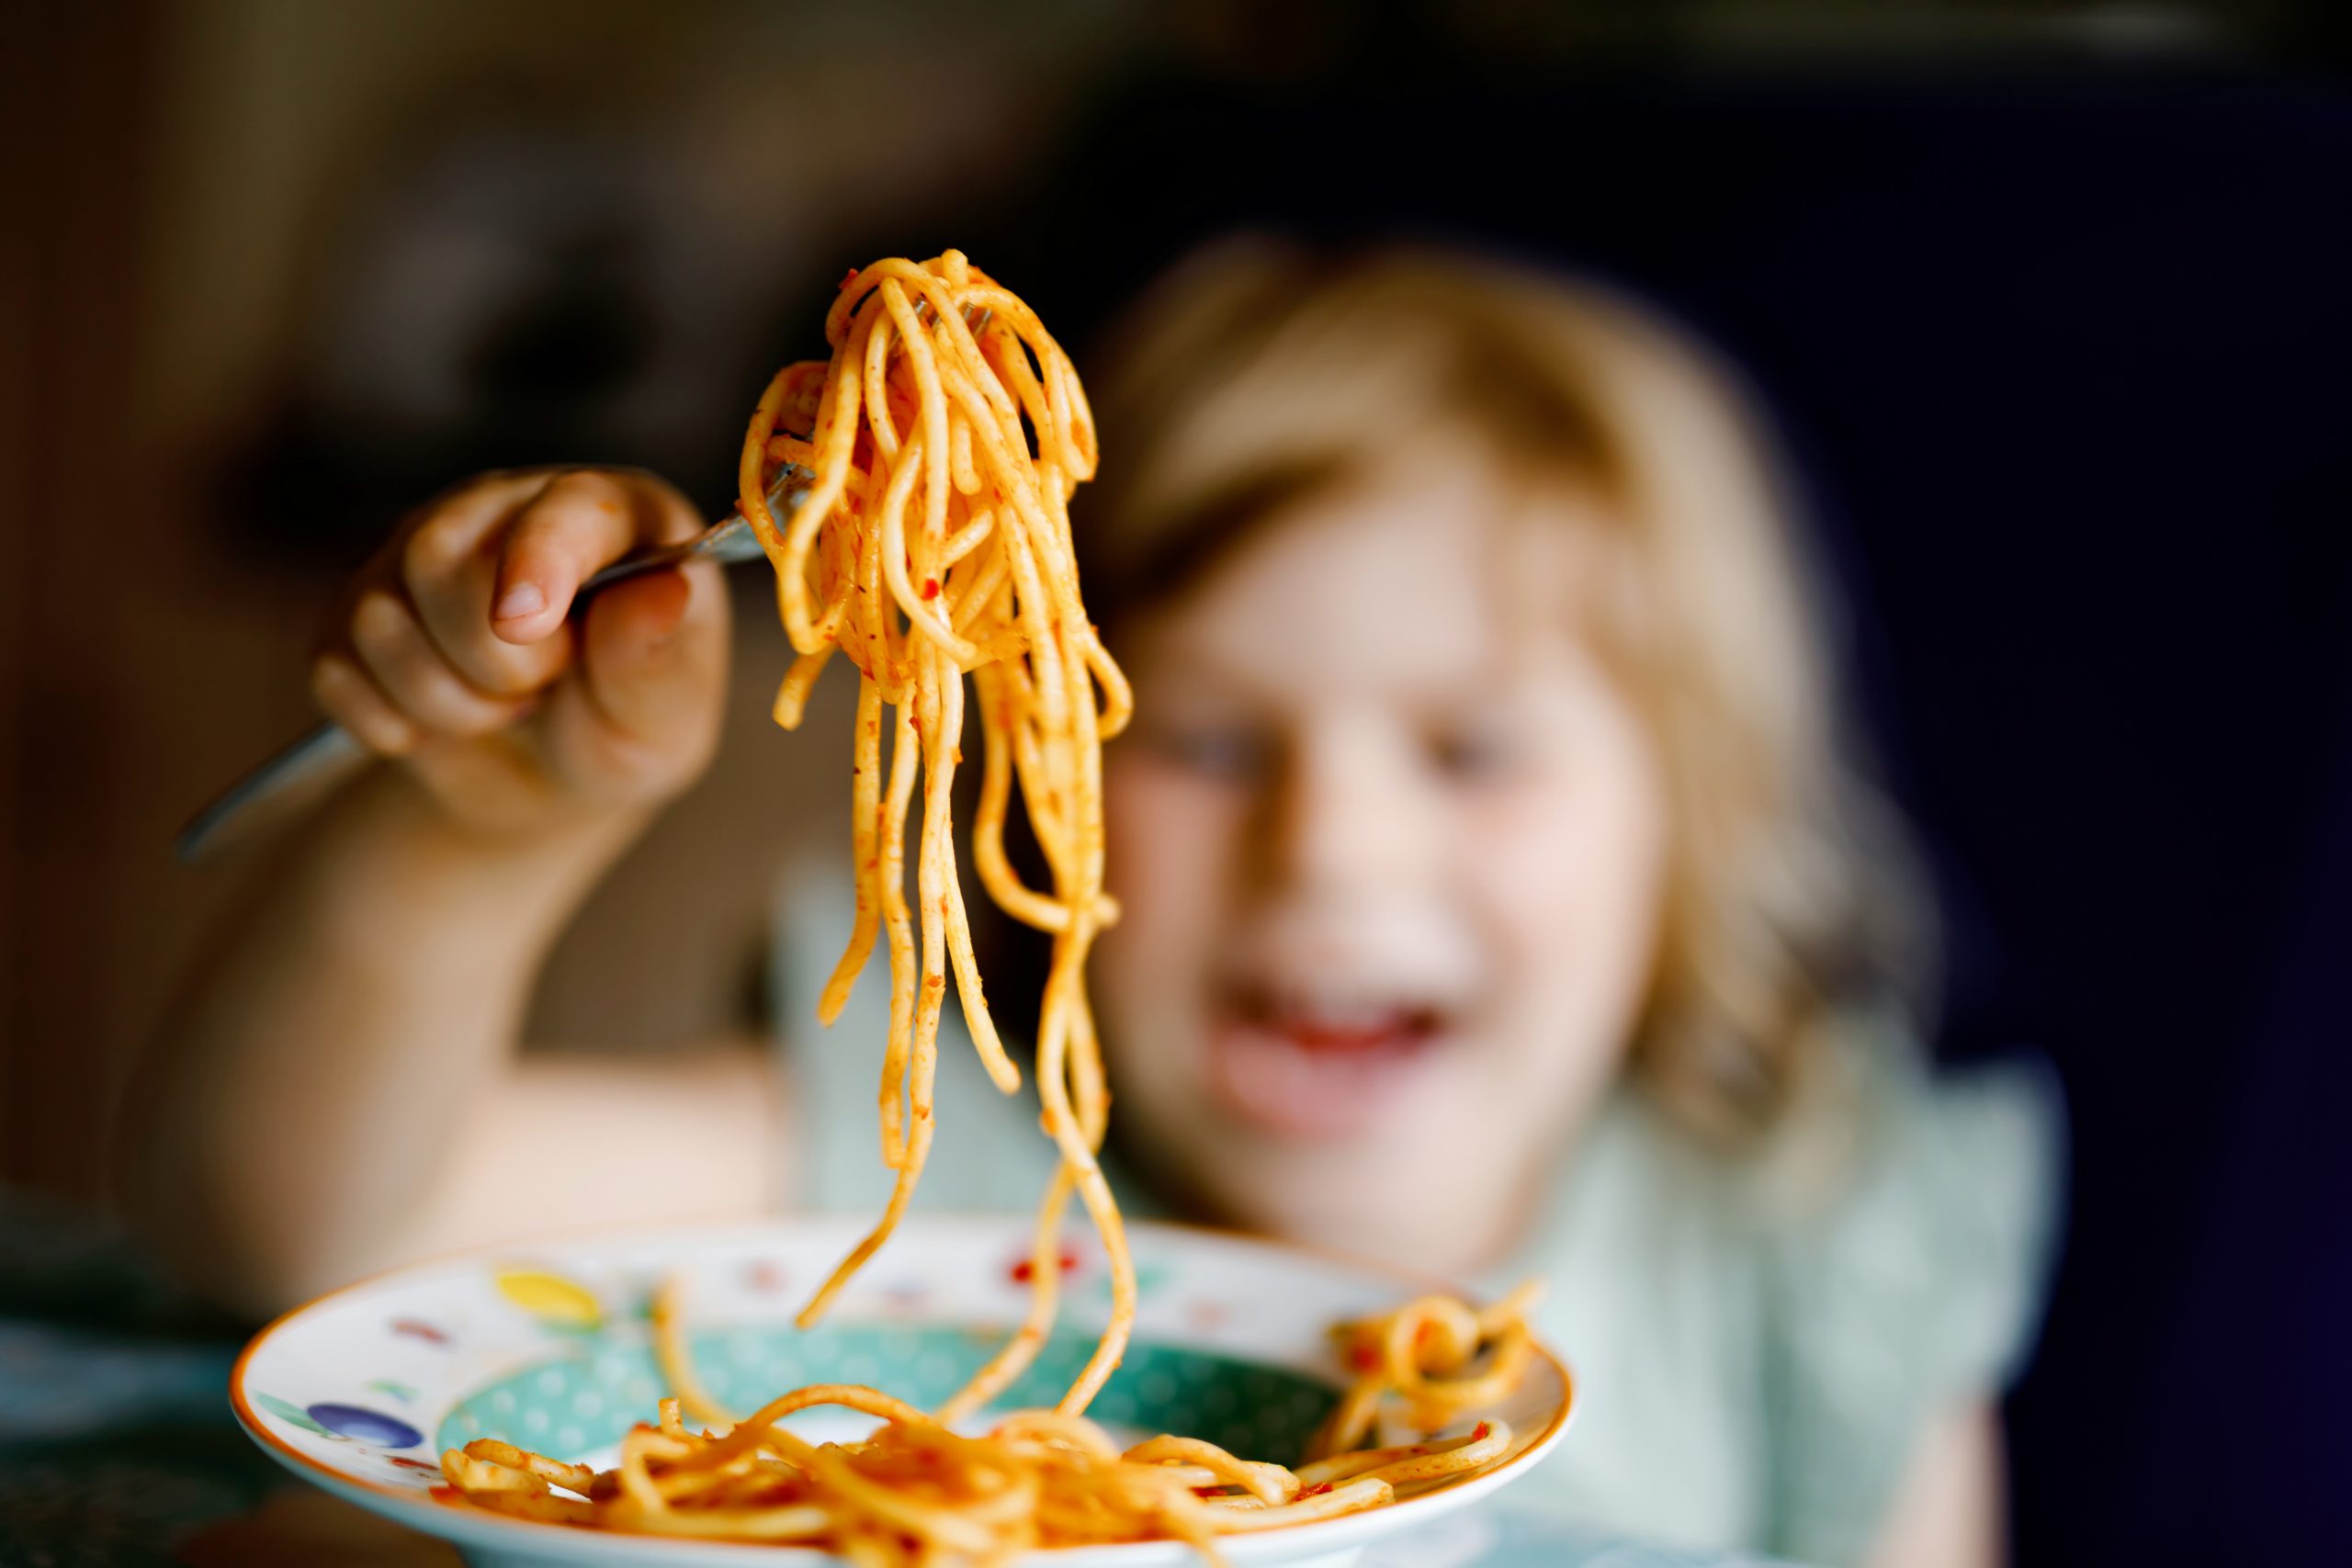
[{"x": 546, "y": 1346}]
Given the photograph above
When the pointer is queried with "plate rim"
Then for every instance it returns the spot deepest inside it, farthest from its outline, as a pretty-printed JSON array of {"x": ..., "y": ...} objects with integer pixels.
[{"x": 404, "y": 1501}]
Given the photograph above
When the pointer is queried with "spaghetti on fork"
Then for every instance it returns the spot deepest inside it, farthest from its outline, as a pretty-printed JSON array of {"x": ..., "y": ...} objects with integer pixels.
[{"x": 942, "y": 442}]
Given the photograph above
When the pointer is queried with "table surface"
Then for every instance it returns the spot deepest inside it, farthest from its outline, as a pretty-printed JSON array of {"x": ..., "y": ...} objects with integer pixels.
[{"x": 118, "y": 1450}]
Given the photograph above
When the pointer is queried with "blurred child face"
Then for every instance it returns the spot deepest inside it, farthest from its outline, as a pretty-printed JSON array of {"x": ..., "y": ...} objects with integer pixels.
[{"x": 1390, "y": 845}]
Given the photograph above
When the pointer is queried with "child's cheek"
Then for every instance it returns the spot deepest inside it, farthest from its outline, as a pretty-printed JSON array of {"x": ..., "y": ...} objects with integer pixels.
[
  {"x": 1173, "y": 843},
  {"x": 1171, "y": 840},
  {"x": 1568, "y": 876}
]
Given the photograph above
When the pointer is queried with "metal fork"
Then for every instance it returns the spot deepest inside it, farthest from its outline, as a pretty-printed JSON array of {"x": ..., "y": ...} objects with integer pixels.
[{"x": 331, "y": 753}]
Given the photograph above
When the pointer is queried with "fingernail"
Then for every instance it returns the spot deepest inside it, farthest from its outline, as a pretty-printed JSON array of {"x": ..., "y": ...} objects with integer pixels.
[{"x": 522, "y": 599}]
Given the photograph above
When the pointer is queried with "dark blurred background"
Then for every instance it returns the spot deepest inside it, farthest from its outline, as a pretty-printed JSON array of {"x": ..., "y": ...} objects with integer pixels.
[{"x": 2053, "y": 300}]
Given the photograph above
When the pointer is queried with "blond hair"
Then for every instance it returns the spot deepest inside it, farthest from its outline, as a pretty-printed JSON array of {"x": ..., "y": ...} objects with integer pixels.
[{"x": 1259, "y": 373}]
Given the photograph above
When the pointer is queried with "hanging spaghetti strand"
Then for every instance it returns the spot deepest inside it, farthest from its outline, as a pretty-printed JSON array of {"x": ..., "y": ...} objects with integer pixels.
[{"x": 943, "y": 438}]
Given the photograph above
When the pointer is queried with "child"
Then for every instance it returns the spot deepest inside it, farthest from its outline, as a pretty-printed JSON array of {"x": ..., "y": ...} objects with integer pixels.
[{"x": 1495, "y": 901}]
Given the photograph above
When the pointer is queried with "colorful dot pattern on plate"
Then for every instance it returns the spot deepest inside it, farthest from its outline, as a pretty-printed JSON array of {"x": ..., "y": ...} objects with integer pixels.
[
  {"x": 555, "y": 1300},
  {"x": 572, "y": 1406},
  {"x": 353, "y": 1421}
]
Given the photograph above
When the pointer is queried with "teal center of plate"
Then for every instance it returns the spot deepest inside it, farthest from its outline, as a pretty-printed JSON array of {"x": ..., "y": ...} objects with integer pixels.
[{"x": 583, "y": 1400}]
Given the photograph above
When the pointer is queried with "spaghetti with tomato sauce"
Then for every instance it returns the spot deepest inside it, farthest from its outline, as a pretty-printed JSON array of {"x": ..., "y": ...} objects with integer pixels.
[{"x": 931, "y": 458}]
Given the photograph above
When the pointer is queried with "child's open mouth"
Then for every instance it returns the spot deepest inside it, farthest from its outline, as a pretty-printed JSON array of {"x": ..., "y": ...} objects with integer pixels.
[{"x": 1321, "y": 1066}]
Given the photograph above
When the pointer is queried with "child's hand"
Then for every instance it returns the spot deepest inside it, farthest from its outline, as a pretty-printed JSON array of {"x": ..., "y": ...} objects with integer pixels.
[{"x": 453, "y": 653}]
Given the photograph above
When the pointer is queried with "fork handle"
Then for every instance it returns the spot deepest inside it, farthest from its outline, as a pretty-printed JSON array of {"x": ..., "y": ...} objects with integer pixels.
[{"x": 327, "y": 753}]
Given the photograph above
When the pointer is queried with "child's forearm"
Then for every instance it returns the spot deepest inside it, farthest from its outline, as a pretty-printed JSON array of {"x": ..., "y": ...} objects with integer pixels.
[{"x": 311, "y": 1079}]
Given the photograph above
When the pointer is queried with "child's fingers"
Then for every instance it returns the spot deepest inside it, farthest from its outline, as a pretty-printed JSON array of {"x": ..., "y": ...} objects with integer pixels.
[
  {"x": 410, "y": 671},
  {"x": 643, "y": 711},
  {"x": 353, "y": 701},
  {"x": 425, "y": 654},
  {"x": 448, "y": 564},
  {"x": 579, "y": 523},
  {"x": 636, "y": 656}
]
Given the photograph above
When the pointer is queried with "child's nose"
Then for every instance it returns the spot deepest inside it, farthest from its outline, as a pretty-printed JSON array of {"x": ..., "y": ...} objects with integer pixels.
[{"x": 1345, "y": 817}]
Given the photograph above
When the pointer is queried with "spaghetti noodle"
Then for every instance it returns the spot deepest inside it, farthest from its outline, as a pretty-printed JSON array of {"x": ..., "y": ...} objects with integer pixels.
[
  {"x": 934, "y": 454},
  {"x": 940, "y": 444},
  {"x": 916, "y": 1492}
]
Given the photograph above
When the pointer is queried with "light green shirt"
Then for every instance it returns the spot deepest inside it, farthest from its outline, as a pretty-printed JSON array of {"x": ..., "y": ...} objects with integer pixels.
[{"x": 1756, "y": 1351}]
